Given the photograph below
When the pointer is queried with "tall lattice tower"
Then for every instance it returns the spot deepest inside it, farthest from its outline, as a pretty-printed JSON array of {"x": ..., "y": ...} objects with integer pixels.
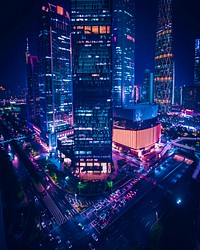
[{"x": 164, "y": 70}]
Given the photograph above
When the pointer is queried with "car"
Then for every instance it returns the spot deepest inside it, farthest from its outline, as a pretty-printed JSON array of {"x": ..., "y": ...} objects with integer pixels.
[
  {"x": 102, "y": 216},
  {"x": 94, "y": 237},
  {"x": 103, "y": 225},
  {"x": 68, "y": 212},
  {"x": 51, "y": 238},
  {"x": 69, "y": 244},
  {"x": 43, "y": 224},
  {"x": 58, "y": 239},
  {"x": 81, "y": 226},
  {"x": 35, "y": 198},
  {"x": 97, "y": 207},
  {"x": 91, "y": 246}
]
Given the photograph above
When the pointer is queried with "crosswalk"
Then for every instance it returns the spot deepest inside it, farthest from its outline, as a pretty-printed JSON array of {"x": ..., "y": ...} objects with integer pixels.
[
  {"x": 87, "y": 203},
  {"x": 72, "y": 213},
  {"x": 54, "y": 210}
]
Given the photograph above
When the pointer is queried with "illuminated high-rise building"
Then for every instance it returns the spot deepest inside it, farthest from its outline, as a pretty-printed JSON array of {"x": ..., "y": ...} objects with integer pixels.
[
  {"x": 197, "y": 62},
  {"x": 92, "y": 84},
  {"x": 164, "y": 67},
  {"x": 123, "y": 53},
  {"x": 190, "y": 97},
  {"x": 148, "y": 86},
  {"x": 55, "y": 72},
  {"x": 32, "y": 93}
]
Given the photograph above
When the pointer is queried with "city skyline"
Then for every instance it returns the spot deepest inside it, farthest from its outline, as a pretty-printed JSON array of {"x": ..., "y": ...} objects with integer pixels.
[
  {"x": 23, "y": 14},
  {"x": 94, "y": 153}
]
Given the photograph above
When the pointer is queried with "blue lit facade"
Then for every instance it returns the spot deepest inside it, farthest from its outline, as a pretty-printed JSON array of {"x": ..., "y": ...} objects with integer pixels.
[
  {"x": 123, "y": 53},
  {"x": 92, "y": 85},
  {"x": 148, "y": 86},
  {"x": 164, "y": 71},
  {"x": 55, "y": 72},
  {"x": 32, "y": 94},
  {"x": 197, "y": 62}
]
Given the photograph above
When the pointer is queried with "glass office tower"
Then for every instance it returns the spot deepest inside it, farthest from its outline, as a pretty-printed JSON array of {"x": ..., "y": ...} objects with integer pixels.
[
  {"x": 92, "y": 84},
  {"x": 197, "y": 62},
  {"x": 163, "y": 76},
  {"x": 55, "y": 72},
  {"x": 32, "y": 95},
  {"x": 123, "y": 53},
  {"x": 148, "y": 86}
]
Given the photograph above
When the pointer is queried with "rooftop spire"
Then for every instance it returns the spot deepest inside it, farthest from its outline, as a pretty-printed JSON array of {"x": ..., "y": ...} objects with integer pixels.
[{"x": 27, "y": 45}]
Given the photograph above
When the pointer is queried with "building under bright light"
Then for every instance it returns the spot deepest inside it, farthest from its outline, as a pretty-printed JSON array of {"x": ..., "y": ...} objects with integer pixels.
[
  {"x": 54, "y": 72},
  {"x": 123, "y": 52},
  {"x": 92, "y": 84},
  {"x": 136, "y": 129},
  {"x": 164, "y": 67}
]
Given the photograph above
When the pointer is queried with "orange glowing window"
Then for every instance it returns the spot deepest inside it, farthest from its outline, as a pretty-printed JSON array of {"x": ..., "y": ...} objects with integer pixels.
[
  {"x": 95, "y": 29},
  {"x": 102, "y": 29},
  {"x": 60, "y": 10},
  {"x": 79, "y": 27},
  {"x": 87, "y": 29},
  {"x": 108, "y": 29}
]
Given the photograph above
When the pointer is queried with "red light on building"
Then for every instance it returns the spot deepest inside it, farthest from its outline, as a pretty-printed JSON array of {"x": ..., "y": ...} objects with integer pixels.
[{"x": 189, "y": 112}]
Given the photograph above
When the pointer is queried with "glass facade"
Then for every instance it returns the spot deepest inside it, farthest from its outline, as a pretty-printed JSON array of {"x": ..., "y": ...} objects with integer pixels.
[
  {"x": 123, "y": 53},
  {"x": 32, "y": 95},
  {"x": 55, "y": 72},
  {"x": 191, "y": 97},
  {"x": 92, "y": 84},
  {"x": 163, "y": 76},
  {"x": 197, "y": 62},
  {"x": 148, "y": 86}
]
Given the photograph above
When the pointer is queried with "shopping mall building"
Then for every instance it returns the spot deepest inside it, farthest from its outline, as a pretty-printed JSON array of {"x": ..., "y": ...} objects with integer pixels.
[{"x": 137, "y": 129}]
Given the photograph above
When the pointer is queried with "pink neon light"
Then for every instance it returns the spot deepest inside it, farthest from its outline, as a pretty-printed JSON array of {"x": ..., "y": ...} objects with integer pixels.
[{"x": 130, "y": 38}]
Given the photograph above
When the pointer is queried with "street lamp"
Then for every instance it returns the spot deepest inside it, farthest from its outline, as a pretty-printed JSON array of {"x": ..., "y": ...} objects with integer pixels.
[{"x": 75, "y": 197}]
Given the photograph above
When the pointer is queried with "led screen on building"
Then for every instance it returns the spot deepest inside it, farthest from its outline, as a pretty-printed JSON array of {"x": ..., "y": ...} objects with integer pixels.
[{"x": 137, "y": 139}]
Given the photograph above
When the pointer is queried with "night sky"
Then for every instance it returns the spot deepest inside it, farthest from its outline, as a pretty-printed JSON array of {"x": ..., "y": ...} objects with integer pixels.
[{"x": 18, "y": 21}]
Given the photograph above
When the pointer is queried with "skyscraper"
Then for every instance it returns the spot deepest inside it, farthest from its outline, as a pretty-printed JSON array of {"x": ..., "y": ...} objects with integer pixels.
[
  {"x": 32, "y": 94},
  {"x": 55, "y": 72},
  {"x": 191, "y": 97},
  {"x": 148, "y": 86},
  {"x": 123, "y": 53},
  {"x": 163, "y": 76},
  {"x": 197, "y": 62},
  {"x": 92, "y": 84}
]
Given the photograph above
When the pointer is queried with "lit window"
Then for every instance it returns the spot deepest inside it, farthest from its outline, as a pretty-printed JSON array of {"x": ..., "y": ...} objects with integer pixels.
[
  {"x": 103, "y": 29},
  {"x": 60, "y": 10},
  {"x": 95, "y": 29}
]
